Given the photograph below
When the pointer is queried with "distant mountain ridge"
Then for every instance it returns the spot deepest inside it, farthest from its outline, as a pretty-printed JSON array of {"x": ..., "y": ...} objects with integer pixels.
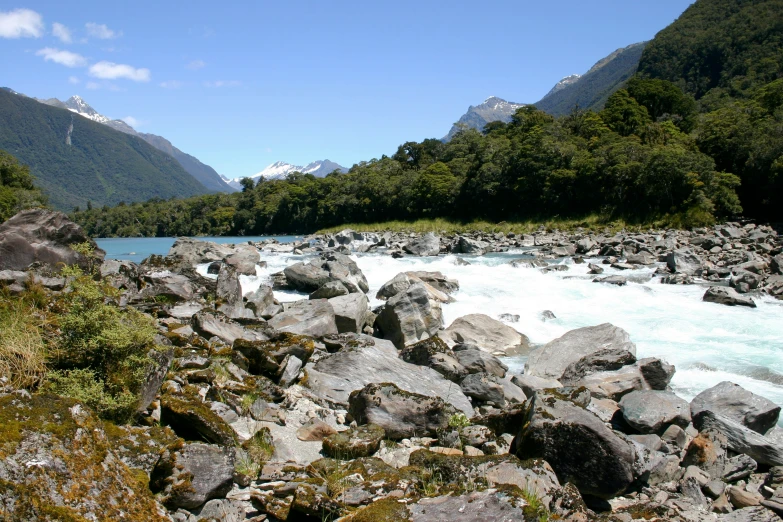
[
  {"x": 205, "y": 174},
  {"x": 592, "y": 89},
  {"x": 77, "y": 161},
  {"x": 281, "y": 169},
  {"x": 491, "y": 109}
]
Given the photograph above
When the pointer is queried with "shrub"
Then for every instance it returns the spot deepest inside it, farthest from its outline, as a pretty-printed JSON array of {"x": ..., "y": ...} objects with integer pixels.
[{"x": 22, "y": 348}]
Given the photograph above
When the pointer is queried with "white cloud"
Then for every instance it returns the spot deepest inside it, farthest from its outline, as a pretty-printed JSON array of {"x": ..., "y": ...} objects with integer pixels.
[
  {"x": 21, "y": 23},
  {"x": 223, "y": 83},
  {"x": 61, "y": 32},
  {"x": 133, "y": 122},
  {"x": 101, "y": 31},
  {"x": 114, "y": 71},
  {"x": 195, "y": 65},
  {"x": 93, "y": 86},
  {"x": 171, "y": 84},
  {"x": 74, "y": 80},
  {"x": 66, "y": 58}
]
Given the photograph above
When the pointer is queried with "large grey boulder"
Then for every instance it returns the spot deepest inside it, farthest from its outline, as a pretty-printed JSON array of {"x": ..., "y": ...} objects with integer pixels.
[
  {"x": 43, "y": 236},
  {"x": 427, "y": 245},
  {"x": 471, "y": 246},
  {"x": 409, "y": 316},
  {"x": 306, "y": 317},
  {"x": 530, "y": 384},
  {"x": 433, "y": 352},
  {"x": 763, "y": 450},
  {"x": 476, "y": 360},
  {"x": 309, "y": 277},
  {"x": 684, "y": 261},
  {"x": 163, "y": 285},
  {"x": 436, "y": 280},
  {"x": 190, "y": 476},
  {"x": 401, "y": 414},
  {"x": 196, "y": 251},
  {"x": 210, "y": 325},
  {"x": 244, "y": 259},
  {"x": 263, "y": 303},
  {"x": 726, "y": 296},
  {"x": 599, "y": 361},
  {"x": 577, "y": 444},
  {"x": 483, "y": 388},
  {"x": 487, "y": 333},
  {"x": 614, "y": 384},
  {"x": 653, "y": 411},
  {"x": 350, "y": 312},
  {"x": 737, "y": 403},
  {"x": 553, "y": 359},
  {"x": 373, "y": 360},
  {"x": 229, "y": 294},
  {"x": 404, "y": 280}
]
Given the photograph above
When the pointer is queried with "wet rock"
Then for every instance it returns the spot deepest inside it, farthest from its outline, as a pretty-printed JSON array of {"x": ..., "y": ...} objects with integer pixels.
[
  {"x": 43, "y": 236},
  {"x": 727, "y": 296},
  {"x": 400, "y": 413},
  {"x": 436, "y": 280},
  {"x": 616, "y": 280},
  {"x": 737, "y": 403},
  {"x": 487, "y": 333},
  {"x": 595, "y": 269},
  {"x": 578, "y": 446},
  {"x": 404, "y": 280},
  {"x": 190, "y": 476},
  {"x": 656, "y": 372},
  {"x": 309, "y": 277},
  {"x": 651, "y": 411},
  {"x": 315, "y": 318},
  {"x": 362, "y": 441},
  {"x": 551, "y": 360},
  {"x": 427, "y": 245},
  {"x": 334, "y": 377},
  {"x": 409, "y": 317}
]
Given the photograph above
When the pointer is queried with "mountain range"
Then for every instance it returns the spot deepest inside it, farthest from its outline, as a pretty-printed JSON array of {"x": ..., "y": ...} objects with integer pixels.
[
  {"x": 281, "y": 169},
  {"x": 205, "y": 174},
  {"x": 587, "y": 91}
]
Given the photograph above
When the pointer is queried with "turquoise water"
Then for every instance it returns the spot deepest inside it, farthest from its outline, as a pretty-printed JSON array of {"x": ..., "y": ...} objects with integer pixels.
[{"x": 138, "y": 248}]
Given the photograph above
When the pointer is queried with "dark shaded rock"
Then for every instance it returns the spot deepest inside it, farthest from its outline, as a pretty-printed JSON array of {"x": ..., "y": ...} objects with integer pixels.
[
  {"x": 727, "y": 296},
  {"x": 578, "y": 446},
  {"x": 46, "y": 237},
  {"x": 190, "y": 476},
  {"x": 193, "y": 420},
  {"x": 476, "y": 360},
  {"x": 602, "y": 360},
  {"x": 656, "y": 372},
  {"x": 737, "y": 403},
  {"x": 433, "y": 352},
  {"x": 483, "y": 388},
  {"x": 400, "y": 413},
  {"x": 652, "y": 411},
  {"x": 616, "y": 280}
]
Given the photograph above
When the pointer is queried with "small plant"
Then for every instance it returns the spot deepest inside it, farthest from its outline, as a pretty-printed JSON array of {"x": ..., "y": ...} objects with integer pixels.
[
  {"x": 432, "y": 481},
  {"x": 535, "y": 507},
  {"x": 22, "y": 348},
  {"x": 245, "y": 465},
  {"x": 459, "y": 420}
]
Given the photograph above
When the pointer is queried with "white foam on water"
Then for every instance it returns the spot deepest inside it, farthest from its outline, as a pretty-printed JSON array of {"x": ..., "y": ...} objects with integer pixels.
[{"x": 708, "y": 343}]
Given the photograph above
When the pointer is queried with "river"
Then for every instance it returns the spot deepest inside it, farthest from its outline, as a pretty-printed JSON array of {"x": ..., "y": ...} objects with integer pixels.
[{"x": 708, "y": 343}]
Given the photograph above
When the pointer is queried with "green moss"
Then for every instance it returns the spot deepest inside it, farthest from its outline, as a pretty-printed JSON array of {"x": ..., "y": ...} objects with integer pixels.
[
  {"x": 191, "y": 419},
  {"x": 387, "y": 510}
]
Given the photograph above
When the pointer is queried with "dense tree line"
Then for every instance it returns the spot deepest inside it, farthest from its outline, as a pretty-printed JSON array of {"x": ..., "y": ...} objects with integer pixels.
[
  {"x": 638, "y": 159},
  {"x": 17, "y": 191}
]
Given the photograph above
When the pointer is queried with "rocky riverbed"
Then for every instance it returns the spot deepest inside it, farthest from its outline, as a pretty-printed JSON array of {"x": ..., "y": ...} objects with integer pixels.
[{"x": 340, "y": 405}]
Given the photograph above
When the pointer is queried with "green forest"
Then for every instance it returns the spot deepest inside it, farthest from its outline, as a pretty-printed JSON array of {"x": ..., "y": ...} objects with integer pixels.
[{"x": 694, "y": 137}]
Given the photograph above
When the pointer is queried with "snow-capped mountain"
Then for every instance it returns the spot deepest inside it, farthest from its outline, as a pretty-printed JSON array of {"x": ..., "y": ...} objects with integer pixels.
[
  {"x": 205, "y": 174},
  {"x": 562, "y": 84},
  {"x": 281, "y": 169},
  {"x": 492, "y": 109}
]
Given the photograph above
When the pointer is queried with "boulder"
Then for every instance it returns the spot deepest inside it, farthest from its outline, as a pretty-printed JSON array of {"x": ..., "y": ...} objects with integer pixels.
[
  {"x": 653, "y": 411},
  {"x": 263, "y": 303},
  {"x": 684, "y": 261},
  {"x": 195, "y": 251},
  {"x": 329, "y": 290},
  {"x": 194, "y": 420},
  {"x": 400, "y": 413},
  {"x": 403, "y": 281},
  {"x": 616, "y": 280},
  {"x": 471, "y": 246},
  {"x": 354, "y": 443},
  {"x": 165, "y": 286},
  {"x": 315, "y": 318},
  {"x": 61, "y": 462},
  {"x": 244, "y": 259},
  {"x": 409, "y": 317},
  {"x": 599, "y": 361},
  {"x": 436, "y": 280},
  {"x": 740, "y": 439},
  {"x": 350, "y": 312},
  {"x": 229, "y": 294},
  {"x": 427, "y": 245},
  {"x": 309, "y": 277},
  {"x": 335, "y": 376},
  {"x": 553, "y": 359},
  {"x": 530, "y": 384},
  {"x": 487, "y": 333},
  {"x": 46, "y": 237},
  {"x": 737, "y": 403},
  {"x": 433, "y": 352},
  {"x": 190, "y": 476},
  {"x": 614, "y": 384},
  {"x": 726, "y": 296},
  {"x": 483, "y": 388},
  {"x": 476, "y": 360},
  {"x": 657, "y": 373},
  {"x": 577, "y": 444},
  {"x": 314, "y": 430},
  {"x": 210, "y": 325}
]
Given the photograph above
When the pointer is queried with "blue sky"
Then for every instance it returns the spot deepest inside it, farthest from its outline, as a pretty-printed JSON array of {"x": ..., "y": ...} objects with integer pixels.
[{"x": 243, "y": 84}]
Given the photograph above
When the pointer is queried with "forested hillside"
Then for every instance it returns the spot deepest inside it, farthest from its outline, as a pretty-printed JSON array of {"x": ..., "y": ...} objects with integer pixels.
[
  {"x": 77, "y": 161},
  {"x": 696, "y": 135}
]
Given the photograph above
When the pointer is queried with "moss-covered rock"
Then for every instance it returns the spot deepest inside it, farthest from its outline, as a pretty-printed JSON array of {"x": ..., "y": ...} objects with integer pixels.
[
  {"x": 388, "y": 510},
  {"x": 191, "y": 419},
  {"x": 361, "y": 441},
  {"x": 58, "y": 463}
]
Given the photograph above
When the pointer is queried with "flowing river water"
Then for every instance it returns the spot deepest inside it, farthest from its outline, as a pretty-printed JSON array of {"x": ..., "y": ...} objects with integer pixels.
[{"x": 708, "y": 343}]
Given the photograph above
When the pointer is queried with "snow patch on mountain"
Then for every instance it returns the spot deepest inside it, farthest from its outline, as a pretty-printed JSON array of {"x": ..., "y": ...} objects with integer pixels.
[{"x": 281, "y": 169}]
